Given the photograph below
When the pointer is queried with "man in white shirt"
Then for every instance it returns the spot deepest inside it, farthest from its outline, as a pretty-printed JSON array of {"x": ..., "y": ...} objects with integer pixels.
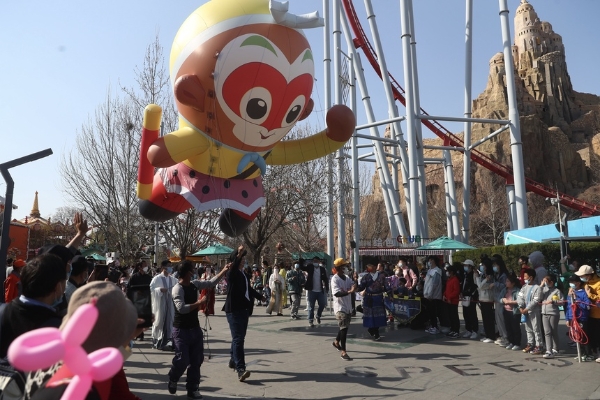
[{"x": 341, "y": 287}]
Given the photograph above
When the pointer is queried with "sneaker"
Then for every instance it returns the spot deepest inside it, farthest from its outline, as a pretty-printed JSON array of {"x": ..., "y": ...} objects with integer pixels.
[
  {"x": 516, "y": 347},
  {"x": 554, "y": 352},
  {"x": 528, "y": 348},
  {"x": 536, "y": 350},
  {"x": 548, "y": 355},
  {"x": 172, "y": 386},
  {"x": 376, "y": 337},
  {"x": 433, "y": 331},
  {"x": 337, "y": 346},
  {"x": 194, "y": 394},
  {"x": 466, "y": 334},
  {"x": 242, "y": 375},
  {"x": 231, "y": 363},
  {"x": 509, "y": 347},
  {"x": 474, "y": 335},
  {"x": 487, "y": 340},
  {"x": 498, "y": 341},
  {"x": 598, "y": 360},
  {"x": 310, "y": 323},
  {"x": 346, "y": 357},
  {"x": 453, "y": 335},
  {"x": 319, "y": 320},
  {"x": 444, "y": 329}
]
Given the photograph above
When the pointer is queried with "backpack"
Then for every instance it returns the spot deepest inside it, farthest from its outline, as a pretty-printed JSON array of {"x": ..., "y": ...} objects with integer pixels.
[{"x": 12, "y": 382}]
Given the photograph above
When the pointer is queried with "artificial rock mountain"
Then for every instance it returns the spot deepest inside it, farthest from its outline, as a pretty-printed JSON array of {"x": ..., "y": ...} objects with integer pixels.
[{"x": 559, "y": 126}]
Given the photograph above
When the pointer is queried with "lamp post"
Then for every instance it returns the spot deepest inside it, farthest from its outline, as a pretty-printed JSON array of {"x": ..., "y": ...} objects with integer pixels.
[
  {"x": 10, "y": 186},
  {"x": 561, "y": 226}
]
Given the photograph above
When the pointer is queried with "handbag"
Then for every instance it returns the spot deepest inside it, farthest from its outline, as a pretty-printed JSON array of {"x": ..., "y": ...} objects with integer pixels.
[{"x": 466, "y": 301}]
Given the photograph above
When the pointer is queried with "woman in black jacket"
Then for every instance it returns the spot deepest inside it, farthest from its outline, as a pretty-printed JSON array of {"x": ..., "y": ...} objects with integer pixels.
[{"x": 469, "y": 296}]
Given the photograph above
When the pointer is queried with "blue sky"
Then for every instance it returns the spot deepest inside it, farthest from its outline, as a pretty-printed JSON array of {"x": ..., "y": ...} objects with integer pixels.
[{"x": 60, "y": 60}]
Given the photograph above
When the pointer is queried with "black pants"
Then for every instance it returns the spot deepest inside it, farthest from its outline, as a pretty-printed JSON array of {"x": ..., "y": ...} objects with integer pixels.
[
  {"x": 512, "y": 323},
  {"x": 593, "y": 331},
  {"x": 470, "y": 316},
  {"x": 489, "y": 319},
  {"x": 435, "y": 308},
  {"x": 452, "y": 313}
]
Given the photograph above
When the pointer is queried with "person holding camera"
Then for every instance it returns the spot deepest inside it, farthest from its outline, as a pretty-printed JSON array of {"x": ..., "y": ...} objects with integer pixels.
[{"x": 188, "y": 341}]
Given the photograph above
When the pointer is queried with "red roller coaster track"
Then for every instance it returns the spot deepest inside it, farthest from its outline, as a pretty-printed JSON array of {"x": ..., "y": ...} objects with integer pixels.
[{"x": 362, "y": 42}]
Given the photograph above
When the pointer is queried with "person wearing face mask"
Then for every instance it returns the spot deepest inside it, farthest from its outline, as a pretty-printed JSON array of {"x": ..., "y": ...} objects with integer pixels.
[
  {"x": 162, "y": 306},
  {"x": 432, "y": 291},
  {"x": 484, "y": 277},
  {"x": 373, "y": 285},
  {"x": 139, "y": 281},
  {"x": 43, "y": 280},
  {"x": 276, "y": 283},
  {"x": 188, "y": 340},
  {"x": 591, "y": 284},
  {"x": 450, "y": 298},
  {"x": 342, "y": 286},
  {"x": 317, "y": 287},
  {"x": 551, "y": 298},
  {"x": 469, "y": 296},
  {"x": 500, "y": 275},
  {"x": 578, "y": 308},
  {"x": 408, "y": 274},
  {"x": 529, "y": 305},
  {"x": 78, "y": 276},
  {"x": 295, "y": 281}
]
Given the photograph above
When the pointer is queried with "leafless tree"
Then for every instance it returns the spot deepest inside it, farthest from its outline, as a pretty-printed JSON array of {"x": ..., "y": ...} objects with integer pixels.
[
  {"x": 191, "y": 231},
  {"x": 490, "y": 219},
  {"x": 64, "y": 214},
  {"x": 100, "y": 173},
  {"x": 296, "y": 203}
]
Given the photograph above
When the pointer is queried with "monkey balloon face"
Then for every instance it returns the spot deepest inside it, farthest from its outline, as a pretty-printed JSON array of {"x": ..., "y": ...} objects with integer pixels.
[{"x": 260, "y": 90}]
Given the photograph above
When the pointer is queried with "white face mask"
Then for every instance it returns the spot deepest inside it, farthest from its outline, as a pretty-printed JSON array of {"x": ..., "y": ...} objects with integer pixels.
[{"x": 145, "y": 269}]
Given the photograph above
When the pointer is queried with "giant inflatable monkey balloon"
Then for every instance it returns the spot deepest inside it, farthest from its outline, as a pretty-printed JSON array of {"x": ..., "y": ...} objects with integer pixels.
[{"x": 242, "y": 74}]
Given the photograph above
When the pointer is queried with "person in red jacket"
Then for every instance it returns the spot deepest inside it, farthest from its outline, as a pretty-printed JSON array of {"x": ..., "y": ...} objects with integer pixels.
[
  {"x": 12, "y": 284},
  {"x": 451, "y": 296}
]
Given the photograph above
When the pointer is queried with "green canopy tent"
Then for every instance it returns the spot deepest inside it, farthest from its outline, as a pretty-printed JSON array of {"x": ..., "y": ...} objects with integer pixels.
[
  {"x": 214, "y": 250},
  {"x": 217, "y": 249},
  {"x": 445, "y": 243},
  {"x": 96, "y": 257}
]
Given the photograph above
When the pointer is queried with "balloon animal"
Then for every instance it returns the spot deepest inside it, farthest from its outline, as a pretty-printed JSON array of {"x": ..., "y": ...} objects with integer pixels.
[
  {"x": 44, "y": 347},
  {"x": 242, "y": 74}
]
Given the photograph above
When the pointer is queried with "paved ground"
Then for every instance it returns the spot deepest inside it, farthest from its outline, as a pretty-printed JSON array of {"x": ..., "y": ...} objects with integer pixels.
[{"x": 289, "y": 360}]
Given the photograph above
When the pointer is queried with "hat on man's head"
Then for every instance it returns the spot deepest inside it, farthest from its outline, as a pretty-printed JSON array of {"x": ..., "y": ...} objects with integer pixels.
[
  {"x": 63, "y": 252},
  {"x": 117, "y": 317},
  {"x": 584, "y": 270},
  {"x": 18, "y": 263},
  {"x": 469, "y": 262},
  {"x": 79, "y": 264},
  {"x": 339, "y": 262}
]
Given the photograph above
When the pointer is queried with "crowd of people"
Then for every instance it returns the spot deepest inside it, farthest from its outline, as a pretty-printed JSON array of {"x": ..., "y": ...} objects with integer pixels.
[{"x": 46, "y": 291}]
